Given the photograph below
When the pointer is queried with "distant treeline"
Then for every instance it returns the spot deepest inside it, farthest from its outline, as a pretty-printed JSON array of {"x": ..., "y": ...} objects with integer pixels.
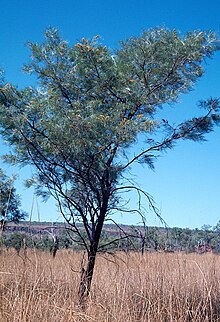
[{"x": 51, "y": 237}]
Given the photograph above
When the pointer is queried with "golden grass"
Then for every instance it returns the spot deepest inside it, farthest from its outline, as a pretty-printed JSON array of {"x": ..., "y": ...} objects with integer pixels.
[{"x": 157, "y": 287}]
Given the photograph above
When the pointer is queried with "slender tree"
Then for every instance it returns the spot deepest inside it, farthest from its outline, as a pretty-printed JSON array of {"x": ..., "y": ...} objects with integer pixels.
[
  {"x": 10, "y": 210},
  {"x": 90, "y": 107}
]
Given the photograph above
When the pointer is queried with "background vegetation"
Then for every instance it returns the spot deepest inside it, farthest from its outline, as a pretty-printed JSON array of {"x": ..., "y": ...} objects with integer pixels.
[{"x": 41, "y": 236}]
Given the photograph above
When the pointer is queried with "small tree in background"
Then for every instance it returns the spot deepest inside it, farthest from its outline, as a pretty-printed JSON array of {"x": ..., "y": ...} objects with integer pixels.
[
  {"x": 17, "y": 241},
  {"x": 90, "y": 107},
  {"x": 10, "y": 210}
]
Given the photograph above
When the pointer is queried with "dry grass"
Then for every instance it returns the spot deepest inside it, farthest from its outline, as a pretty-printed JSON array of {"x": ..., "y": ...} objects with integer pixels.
[{"x": 129, "y": 288}]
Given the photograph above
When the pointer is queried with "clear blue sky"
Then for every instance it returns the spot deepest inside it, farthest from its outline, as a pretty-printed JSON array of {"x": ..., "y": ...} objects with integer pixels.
[{"x": 185, "y": 184}]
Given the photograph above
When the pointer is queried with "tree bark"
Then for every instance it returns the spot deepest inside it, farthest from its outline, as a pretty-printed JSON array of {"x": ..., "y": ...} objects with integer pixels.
[{"x": 87, "y": 274}]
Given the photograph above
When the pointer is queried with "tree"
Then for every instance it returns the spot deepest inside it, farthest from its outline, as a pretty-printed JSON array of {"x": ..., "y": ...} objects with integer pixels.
[
  {"x": 17, "y": 241},
  {"x": 90, "y": 107},
  {"x": 217, "y": 227},
  {"x": 9, "y": 202}
]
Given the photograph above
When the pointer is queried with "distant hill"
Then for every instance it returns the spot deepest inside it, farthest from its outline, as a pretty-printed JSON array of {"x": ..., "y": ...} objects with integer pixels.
[{"x": 125, "y": 237}]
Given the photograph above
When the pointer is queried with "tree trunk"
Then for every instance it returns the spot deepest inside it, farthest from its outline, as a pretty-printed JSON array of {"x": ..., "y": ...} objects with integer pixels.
[
  {"x": 2, "y": 228},
  {"x": 86, "y": 276}
]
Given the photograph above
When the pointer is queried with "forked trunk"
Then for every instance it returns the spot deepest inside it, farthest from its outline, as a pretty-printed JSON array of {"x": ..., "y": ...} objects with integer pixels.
[{"x": 87, "y": 274}]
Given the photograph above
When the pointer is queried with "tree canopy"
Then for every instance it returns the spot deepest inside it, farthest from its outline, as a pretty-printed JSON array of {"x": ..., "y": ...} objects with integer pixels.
[{"x": 89, "y": 108}]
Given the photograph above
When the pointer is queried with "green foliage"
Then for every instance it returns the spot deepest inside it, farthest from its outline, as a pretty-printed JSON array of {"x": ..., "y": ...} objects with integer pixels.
[
  {"x": 90, "y": 105},
  {"x": 137, "y": 238},
  {"x": 217, "y": 227},
  {"x": 16, "y": 241},
  {"x": 9, "y": 201}
]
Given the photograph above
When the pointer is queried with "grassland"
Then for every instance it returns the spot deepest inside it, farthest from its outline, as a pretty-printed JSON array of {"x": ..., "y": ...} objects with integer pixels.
[{"x": 157, "y": 287}]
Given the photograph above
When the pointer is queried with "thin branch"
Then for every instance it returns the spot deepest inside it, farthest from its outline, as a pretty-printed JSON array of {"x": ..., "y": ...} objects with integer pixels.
[
  {"x": 149, "y": 198},
  {"x": 165, "y": 143},
  {"x": 113, "y": 242}
]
